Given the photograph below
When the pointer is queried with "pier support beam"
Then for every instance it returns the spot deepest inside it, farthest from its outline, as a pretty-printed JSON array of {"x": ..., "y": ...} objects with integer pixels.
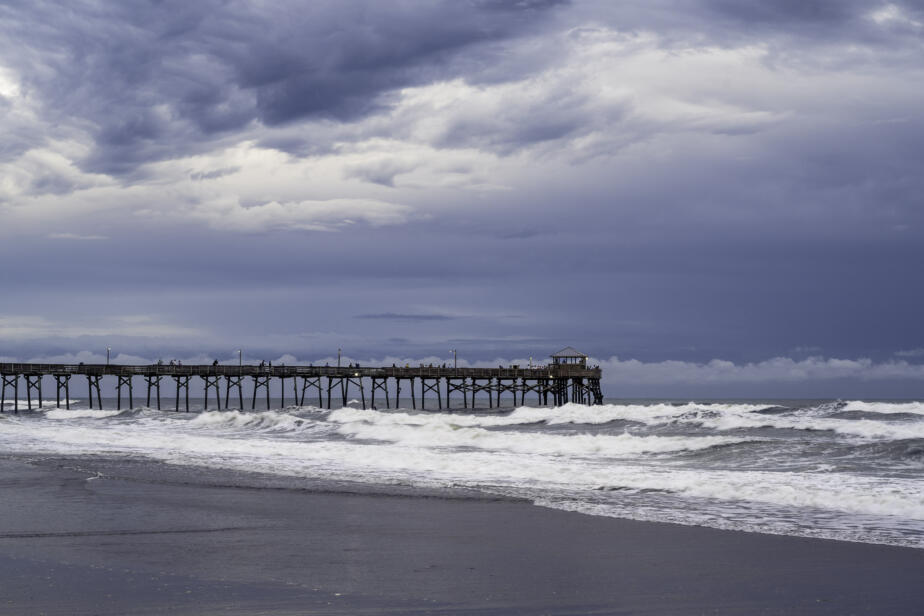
[
  {"x": 596, "y": 392},
  {"x": 182, "y": 382},
  {"x": 383, "y": 386},
  {"x": 398, "y": 380},
  {"x": 397, "y": 392},
  {"x": 212, "y": 382},
  {"x": 153, "y": 381},
  {"x": 488, "y": 387},
  {"x": 344, "y": 389},
  {"x": 258, "y": 382},
  {"x": 312, "y": 382},
  {"x": 507, "y": 385},
  {"x": 356, "y": 381},
  {"x": 434, "y": 387},
  {"x": 33, "y": 381},
  {"x": 527, "y": 386},
  {"x": 62, "y": 382},
  {"x": 93, "y": 383},
  {"x": 234, "y": 381},
  {"x": 578, "y": 392},
  {"x": 125, "y": 381},
  {"x": 295, "y": 391},
  {"x": 10, "y": 381},
  {"x": 462, "y": 386}
]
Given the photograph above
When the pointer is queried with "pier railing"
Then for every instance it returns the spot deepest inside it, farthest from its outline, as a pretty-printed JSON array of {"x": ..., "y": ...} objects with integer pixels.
[{"x": 550, "y": 372}]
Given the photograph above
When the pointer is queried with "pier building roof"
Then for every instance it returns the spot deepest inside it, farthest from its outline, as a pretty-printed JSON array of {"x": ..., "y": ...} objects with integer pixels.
[{"x": 568, "y": 352}]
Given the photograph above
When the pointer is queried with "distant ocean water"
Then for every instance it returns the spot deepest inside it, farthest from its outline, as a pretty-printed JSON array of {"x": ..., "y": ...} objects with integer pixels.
[{"x": 847, "y": 470}]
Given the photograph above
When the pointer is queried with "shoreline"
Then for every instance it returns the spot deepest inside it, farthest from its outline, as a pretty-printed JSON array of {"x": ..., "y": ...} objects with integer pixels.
[{"x": 77, "y": 543}]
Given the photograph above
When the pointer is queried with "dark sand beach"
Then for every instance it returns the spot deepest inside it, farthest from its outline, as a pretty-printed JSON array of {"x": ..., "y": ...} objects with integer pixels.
[{"x": 149, "y": 539}]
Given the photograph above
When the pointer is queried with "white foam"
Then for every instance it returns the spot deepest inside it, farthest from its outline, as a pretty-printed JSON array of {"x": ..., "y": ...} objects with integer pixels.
[
  {"x": 864, "y": 428},
  {"x": 566, "y": 414},
  {"x": 448, "y": 435},
  {"x": 916, "y": 408},
  {"x": 266, "y": 421},
  {"x": 24, "y": 404},
  {"x": 410, "y": 463},
  {"x": 720, "y": 417},
  {"x": 79, "y": 414}
]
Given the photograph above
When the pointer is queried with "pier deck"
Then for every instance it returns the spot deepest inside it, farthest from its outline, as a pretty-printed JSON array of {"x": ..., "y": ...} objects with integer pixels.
[{"x": 559, "y": 382}]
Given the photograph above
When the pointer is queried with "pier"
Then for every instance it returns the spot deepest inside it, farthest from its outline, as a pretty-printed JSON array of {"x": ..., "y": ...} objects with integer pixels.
[{"x": 566, "y": 379}]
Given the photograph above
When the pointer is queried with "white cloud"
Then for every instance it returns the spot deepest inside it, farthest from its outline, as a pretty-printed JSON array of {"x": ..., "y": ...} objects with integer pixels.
[
  {"x": 329, "y": 215},
  {"x": 890, "y": 14},
  {"x": 26, "y": 327},
  {"x": 777, "y": 369}
]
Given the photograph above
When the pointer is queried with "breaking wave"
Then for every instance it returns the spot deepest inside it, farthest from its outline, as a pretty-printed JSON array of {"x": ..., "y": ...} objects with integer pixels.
[
  {"x": 448, "y": 435},
  {"x": 266, "y": 421}
]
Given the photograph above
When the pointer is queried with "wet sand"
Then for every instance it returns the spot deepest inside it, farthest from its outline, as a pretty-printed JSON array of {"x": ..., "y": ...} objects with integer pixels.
[{"x": 154, "y": 540}]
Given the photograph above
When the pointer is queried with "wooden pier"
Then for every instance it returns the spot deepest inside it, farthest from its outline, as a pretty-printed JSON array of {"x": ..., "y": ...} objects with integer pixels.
[{"x": 560, "y": 382}]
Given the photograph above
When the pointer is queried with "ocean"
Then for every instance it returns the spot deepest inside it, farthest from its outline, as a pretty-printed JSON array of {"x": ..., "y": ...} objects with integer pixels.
[{"x": 843, "y": 470}]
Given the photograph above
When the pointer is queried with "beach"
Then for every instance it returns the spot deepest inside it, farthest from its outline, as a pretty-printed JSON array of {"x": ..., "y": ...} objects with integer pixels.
[{"x": 103, "y": 536}]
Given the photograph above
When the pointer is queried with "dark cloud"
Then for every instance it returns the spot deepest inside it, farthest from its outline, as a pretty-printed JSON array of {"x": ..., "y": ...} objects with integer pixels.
[
  {"x": 214, "y": 174},
  {"x": 382, "y": 172},
  {"x": 50, "y": 183},
  {"x": 789, "y": 12},
  {"x": 155, "y": 80}
]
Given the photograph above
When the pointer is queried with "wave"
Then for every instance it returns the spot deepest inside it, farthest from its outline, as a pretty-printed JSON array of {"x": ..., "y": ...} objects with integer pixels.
[
  {"x": 883, "y": 453},
  {"x": 566, "y": 414},
  {"x": 80, "y": 414},
  {"x": 916, "y": 408},
  {"x": 874, "y": 416},
  {"x": 448, "y": 435},
  {"x": 718, "y": 417},
  {"x": 862, "y": 428},
  {"x": 265, "y": 421}
]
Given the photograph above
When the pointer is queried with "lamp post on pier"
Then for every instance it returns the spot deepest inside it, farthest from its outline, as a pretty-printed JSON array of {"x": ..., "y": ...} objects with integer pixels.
[
  {"x": 339, "y": 351},
  {"x": 455, "y": 359},
  {"x": 108, "y": 349},
  {"x": 240, "y": 358}
]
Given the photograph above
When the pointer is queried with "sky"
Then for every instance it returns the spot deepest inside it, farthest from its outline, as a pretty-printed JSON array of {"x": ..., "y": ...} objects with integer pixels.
[{"x": 708, "y": 197}]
